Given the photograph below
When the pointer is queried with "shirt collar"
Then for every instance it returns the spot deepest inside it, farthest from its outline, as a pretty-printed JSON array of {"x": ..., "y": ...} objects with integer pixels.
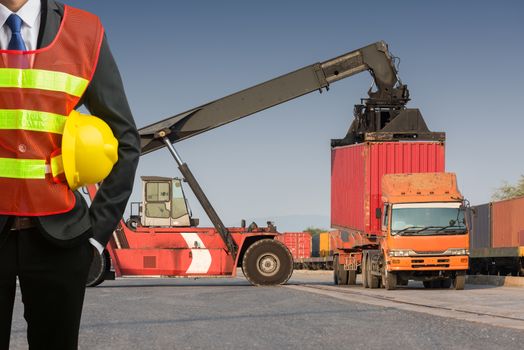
[{"x": 29, "y": 13}]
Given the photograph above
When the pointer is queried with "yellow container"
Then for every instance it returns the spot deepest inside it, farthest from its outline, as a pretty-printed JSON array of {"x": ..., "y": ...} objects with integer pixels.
[{"x": 325, "y": 246}]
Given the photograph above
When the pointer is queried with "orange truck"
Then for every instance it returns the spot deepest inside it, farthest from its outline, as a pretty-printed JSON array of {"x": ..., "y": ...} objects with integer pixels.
[{"x": 399, "y": 216}]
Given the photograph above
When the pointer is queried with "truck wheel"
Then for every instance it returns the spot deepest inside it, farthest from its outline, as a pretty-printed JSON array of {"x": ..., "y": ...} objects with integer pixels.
[
  {"x": 336, "y": 266},
  {"x": 352, "y": 277},
  {"x": 445, "y": 283},
  {"x": 267, "y": 262},
  {"x": 459, "y": 282},
  {"x": 427, "y": 284},
  {"x": 343, "y": 276},
  {"x": 389, "y": 279},
  {"x": 340, "y": 275},
  {"x": 373, "y": 280},
  {"x": 364, "y": 269},
  {"x": 98, "y": 268}
]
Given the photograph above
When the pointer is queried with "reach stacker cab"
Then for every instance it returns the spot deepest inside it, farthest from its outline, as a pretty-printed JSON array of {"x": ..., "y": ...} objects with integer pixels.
[{"x": 163, "y": 204}]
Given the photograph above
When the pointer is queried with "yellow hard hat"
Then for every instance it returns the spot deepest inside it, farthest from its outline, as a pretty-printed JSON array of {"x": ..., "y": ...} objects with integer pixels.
[{"x": 89, "y": 150}]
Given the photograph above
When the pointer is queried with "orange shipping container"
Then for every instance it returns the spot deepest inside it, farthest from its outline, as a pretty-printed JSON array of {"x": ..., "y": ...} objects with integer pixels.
[{"x": 507, "y": 220}]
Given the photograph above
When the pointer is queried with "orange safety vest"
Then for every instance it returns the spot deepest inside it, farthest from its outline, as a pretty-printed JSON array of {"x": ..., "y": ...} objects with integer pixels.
[{"x": 38, "y": 90}]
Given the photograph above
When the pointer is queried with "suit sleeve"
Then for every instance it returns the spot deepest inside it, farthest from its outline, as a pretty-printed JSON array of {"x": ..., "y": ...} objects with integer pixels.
[{"x": 106, "y": 99}]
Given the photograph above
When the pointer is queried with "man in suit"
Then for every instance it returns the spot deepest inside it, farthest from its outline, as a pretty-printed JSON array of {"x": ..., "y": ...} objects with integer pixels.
[{"x": 50, "y": 251}]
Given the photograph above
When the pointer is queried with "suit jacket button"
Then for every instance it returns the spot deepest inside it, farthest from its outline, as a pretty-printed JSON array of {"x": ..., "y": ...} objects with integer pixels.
[{"x": 22, "y": 148}]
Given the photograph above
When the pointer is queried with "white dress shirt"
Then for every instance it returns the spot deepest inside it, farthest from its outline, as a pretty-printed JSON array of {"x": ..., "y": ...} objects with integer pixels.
[{"x": 30, "y": 15}]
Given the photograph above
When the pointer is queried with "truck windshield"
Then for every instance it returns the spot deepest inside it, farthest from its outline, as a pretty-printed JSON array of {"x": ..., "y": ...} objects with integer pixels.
[{"x": 426, "y": 219}]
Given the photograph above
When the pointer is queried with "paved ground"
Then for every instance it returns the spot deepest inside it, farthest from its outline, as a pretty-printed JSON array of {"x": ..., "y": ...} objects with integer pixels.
[{"x": 310, "y": 313}]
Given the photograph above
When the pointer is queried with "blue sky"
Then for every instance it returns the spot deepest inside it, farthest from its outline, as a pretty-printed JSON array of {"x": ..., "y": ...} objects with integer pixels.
[{"x": 461, "y": 60}]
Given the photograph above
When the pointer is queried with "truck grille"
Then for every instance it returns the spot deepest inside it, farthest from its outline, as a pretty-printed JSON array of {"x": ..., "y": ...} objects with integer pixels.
[{"x": 420, "y": 263}]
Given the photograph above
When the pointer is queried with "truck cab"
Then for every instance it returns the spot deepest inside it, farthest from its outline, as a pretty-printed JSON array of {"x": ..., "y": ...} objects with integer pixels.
[{"x": 425, "y": 236}]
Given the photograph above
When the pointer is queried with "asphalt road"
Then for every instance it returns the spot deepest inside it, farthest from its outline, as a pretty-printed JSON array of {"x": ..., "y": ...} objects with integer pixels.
[{"x": 309, "y": 313}]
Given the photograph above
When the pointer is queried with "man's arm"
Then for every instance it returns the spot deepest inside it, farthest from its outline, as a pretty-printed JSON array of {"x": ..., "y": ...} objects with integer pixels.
[{"x": 106, "y": 99}]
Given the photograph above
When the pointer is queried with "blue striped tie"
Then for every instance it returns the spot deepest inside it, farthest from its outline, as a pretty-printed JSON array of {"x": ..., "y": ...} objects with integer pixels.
[{"x": 17, "y": 42}]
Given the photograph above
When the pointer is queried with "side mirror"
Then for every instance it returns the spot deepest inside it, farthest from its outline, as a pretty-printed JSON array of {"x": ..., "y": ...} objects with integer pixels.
[{"x": 378, "y": 213}]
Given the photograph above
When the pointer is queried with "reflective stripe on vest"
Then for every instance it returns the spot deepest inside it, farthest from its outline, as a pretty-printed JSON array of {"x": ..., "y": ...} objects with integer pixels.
[
  {"x": 30, "y": 168},
  {"x": 42, "y": 80},
  {"x": 22, "y": 168},
  {"x": 21, "y": 119}
]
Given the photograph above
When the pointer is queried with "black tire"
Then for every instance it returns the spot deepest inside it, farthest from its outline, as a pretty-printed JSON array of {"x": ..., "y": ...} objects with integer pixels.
[
  {"x": 97, "y": 272},
  {"x": 428, "y": 284},
  {"x": 364, "y": 268},
  {"x": 459, "y": 282},
  {"x": 343, "y": 275},
  {"x": 445, "y": 283},
  {"x": 352, "y": 277},
  {"x": 389, "y": 279},
  {"x": 267, "y": 262},
  {"x": 336, "y": 266},
  {"x": 373, "y": 280}
]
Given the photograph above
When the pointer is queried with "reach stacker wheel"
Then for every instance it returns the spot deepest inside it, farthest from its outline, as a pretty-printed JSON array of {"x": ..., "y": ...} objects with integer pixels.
[
  {"x": 267, "y": 262},
  {"x": 97, "y": 271}
]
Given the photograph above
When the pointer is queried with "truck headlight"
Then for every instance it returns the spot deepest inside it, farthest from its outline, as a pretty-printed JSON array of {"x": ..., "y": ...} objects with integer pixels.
[
  {"x": 399, "y": 252},
  {"x": 457, "y": 251}
]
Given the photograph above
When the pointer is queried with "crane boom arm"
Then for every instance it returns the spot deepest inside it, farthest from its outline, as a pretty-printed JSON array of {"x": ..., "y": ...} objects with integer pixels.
[{"x": 375, "y": 58}]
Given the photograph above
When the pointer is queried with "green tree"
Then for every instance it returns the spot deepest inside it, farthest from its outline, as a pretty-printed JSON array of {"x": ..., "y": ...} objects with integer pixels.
[
  {"x": 507, "y": 191},
  {"x": 314, "y": 230}
]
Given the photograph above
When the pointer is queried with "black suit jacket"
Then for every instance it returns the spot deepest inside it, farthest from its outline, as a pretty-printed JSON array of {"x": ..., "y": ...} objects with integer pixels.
[{"x": 104, "y": 98}]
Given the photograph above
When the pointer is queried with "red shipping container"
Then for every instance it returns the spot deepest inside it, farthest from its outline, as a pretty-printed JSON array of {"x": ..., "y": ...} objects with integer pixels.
[
  {"x": 298, "y": 243},
  {"x": 356, "y": 176},
  {"x": 507, "y": 220}
]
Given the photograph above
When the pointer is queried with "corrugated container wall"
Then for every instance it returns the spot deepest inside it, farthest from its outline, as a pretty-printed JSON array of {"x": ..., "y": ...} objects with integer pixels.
[
  {"x": 356, "y": 174},
  {"x": 479, "y": 223},
  {"x": 507, "y": 220},
  {"x": 298, "y": 243}
]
